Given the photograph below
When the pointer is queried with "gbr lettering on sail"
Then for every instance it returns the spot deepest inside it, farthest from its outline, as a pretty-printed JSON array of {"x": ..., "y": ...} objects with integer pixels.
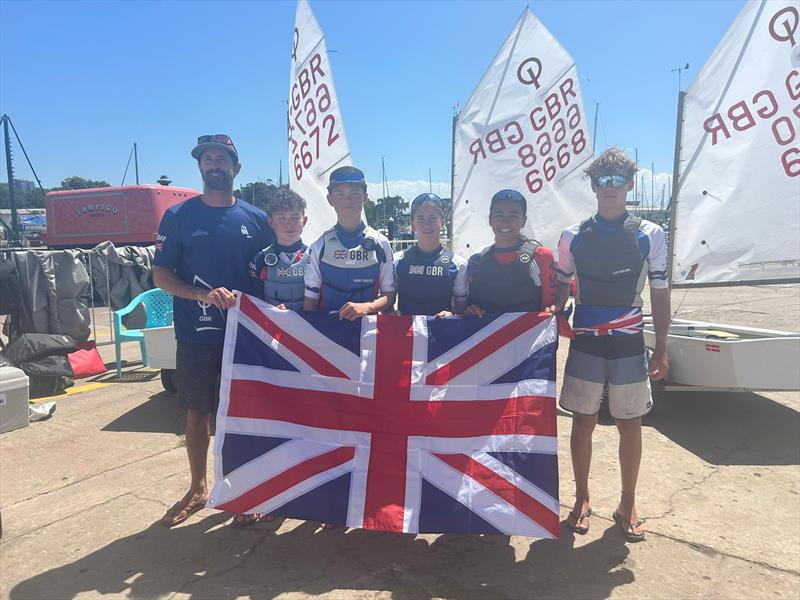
[{"x": 775, "y": 107}]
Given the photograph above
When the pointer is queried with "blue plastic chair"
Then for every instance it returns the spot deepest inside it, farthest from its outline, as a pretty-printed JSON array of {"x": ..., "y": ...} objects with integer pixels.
[{"x": 158, "y": 306}]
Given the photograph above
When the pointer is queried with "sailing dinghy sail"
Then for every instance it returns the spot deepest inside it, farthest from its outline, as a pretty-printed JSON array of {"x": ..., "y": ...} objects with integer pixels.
[
  {"x": 523, "y": 128},
  {"x": 736, "y": 213},
  {"x": 317, "y": 142}
]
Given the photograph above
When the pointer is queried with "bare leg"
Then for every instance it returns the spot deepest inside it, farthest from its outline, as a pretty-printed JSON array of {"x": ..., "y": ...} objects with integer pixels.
[
  {"x": 197, "y": 440},
  {"x": 580, "y": 444},
  {"x": 630, "y": 458}
]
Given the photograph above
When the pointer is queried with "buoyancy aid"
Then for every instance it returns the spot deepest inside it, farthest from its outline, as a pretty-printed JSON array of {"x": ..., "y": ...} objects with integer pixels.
[
  {"x": 283, "y": 280},
  {"x": 500, "y": 288},
  {"x": 608, "y": 263},
  {"x": 425, "y": 281},
  {"x": 349, "y": 274}
]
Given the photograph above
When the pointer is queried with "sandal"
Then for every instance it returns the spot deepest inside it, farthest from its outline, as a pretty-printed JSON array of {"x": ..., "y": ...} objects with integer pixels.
[
  {"x": 243, "y": 519},
  {"x": 576, "y": 528},
  {"x": 628, "y": 528},
  {"x": 267, "y": 518},
  {"x": 172, "y": 518},
  {"x": 328, "y": 525}
]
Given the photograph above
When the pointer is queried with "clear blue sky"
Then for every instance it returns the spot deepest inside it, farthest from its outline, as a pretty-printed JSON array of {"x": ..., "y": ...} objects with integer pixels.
[{"x": 82, "y": 81}]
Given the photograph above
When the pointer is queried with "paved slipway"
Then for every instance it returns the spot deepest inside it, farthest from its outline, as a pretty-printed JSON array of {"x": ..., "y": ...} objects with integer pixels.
[{"x": 81, "y": 494}]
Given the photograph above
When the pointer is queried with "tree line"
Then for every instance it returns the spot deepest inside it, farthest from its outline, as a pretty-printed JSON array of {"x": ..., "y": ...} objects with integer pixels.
[
  {"x": 35, "y": 198},
  {"x": 390, "y": 212}
]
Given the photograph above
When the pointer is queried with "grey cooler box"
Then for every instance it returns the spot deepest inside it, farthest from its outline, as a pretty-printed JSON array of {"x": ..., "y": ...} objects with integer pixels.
[{"x": 13, "y": 399}]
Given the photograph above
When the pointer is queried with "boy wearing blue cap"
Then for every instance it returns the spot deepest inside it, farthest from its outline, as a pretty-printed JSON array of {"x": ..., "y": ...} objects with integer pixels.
[
  {"x": 431, "y": 280},
  {"x": 350, "y": 267}
]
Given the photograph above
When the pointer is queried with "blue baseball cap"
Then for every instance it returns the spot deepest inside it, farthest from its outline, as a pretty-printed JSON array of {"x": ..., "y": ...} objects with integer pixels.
[
  {"x": 346, "y": 175},
  {"x": 510, "y": 196}
]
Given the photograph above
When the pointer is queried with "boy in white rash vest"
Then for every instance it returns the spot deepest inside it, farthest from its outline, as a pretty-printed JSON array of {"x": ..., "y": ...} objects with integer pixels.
[
  {"x": 610, "y": 255},
  {"x": 278, "y": 270},
  {"x": 350, "y": 267}
]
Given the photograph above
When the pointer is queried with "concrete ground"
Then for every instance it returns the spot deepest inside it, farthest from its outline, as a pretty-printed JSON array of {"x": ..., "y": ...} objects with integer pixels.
[{"x": 80, "y": 495}]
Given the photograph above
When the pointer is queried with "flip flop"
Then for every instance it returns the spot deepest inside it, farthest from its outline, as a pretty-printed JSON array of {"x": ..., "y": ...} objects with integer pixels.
[
  {"x": 576, "y": 528},
  {"x": 244, "y": 519},
  {"x": 267, "y": 518},
  {"x": 187, "y": 511},
  {"x": 328, "y": 525},
  {"x": 628, "y": 528}
]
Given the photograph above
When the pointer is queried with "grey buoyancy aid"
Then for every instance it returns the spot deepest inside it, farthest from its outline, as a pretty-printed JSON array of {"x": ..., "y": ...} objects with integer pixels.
[
  {"x": 284, "y": 278},
  {"x": 425, "y": 282},
  {"x": 506, "y": 288},
  {"x": 349, "y": 274},
  {"x": 608, "y": 264}
]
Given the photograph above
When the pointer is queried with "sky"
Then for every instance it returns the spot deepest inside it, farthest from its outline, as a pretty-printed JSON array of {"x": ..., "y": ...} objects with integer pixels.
[{"x": 83, "y": 81}]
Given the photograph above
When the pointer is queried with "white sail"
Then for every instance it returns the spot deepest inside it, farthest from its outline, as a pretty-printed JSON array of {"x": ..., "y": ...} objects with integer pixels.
[
  {"x": 738, "y": 195},
  {"x": 317, "y": 142},
  {"x": 523, "y": 128}
]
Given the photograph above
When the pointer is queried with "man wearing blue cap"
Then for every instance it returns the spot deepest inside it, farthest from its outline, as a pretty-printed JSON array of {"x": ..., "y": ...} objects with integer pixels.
[
  {"x": 350, "y": 267},
  {"x": 431, "y": 280},
  {"x": 202, "y": 250}
]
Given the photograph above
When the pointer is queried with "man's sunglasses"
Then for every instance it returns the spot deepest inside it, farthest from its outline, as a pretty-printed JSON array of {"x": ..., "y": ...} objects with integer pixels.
[
  {"x": 604, "y": 181},
  {"x": 217, "y": 137}
]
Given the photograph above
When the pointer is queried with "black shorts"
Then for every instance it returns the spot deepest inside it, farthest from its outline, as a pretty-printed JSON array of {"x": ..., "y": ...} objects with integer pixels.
[{"x": 198, "y": 371}]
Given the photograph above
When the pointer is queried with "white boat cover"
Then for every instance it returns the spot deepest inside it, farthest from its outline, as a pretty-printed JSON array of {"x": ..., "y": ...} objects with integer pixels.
[
  {"x": 738, "y": 196},
  {"x": 523, "y": 128},
  {"x": 317, "y": 142}
]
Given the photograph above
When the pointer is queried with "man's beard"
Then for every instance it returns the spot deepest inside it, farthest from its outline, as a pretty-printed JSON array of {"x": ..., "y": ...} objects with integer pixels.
[{"x": 218, "y": 180}]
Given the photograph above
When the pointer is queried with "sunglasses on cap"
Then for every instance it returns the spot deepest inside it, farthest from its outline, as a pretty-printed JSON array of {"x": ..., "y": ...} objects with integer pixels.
[
  {"x": 427, "y": 198},
  {"x": 217, "y": 137},
  {"x": 604, "y": 181},
  {"x": 512, "y": 195}
]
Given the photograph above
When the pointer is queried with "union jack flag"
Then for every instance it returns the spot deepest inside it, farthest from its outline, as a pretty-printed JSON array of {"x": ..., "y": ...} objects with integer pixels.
[
  {"x": 416, "y": 269},
  {"x": 607, "y": 320},
  {"x": 283, "y": 272},
  {"x": 340, "y": 254},
  {"x": 394, "y": 423}
]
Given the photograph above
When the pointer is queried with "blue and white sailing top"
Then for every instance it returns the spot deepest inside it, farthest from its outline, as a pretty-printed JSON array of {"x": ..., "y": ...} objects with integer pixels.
[
  {"x": 610, "y": 272},
  {"x": 348, "y": 266}
]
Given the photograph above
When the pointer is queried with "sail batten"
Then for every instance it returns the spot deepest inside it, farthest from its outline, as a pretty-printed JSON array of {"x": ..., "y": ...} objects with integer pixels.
[{"x": 737, "y": 207}]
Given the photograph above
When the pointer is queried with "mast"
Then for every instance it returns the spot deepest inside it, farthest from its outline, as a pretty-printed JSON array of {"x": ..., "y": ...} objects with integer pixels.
[
  {"x": 653, "y": 184},
  {"x": 136, "y": 162},
  {"x": 594, "y": 130},
  {"x": 12, "y": 201},
  {"x": 449, "y": 217},
  {"x": 385, "y": 188},
  {"x": 673, "y": 203}
]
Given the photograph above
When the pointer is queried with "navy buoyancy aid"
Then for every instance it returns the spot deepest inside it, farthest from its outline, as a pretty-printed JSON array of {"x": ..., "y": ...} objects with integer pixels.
[
  {"x": 425, "y": 281},
  {"x": 349, "y": 274},
  {"x": 506, "y": 288},
  {"x": 608, "y": 263},
  {"x": 283, "y": 283}
]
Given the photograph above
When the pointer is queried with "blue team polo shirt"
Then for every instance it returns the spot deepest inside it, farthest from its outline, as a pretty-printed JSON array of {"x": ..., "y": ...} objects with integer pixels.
[{"x": 209, "y": 247}]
